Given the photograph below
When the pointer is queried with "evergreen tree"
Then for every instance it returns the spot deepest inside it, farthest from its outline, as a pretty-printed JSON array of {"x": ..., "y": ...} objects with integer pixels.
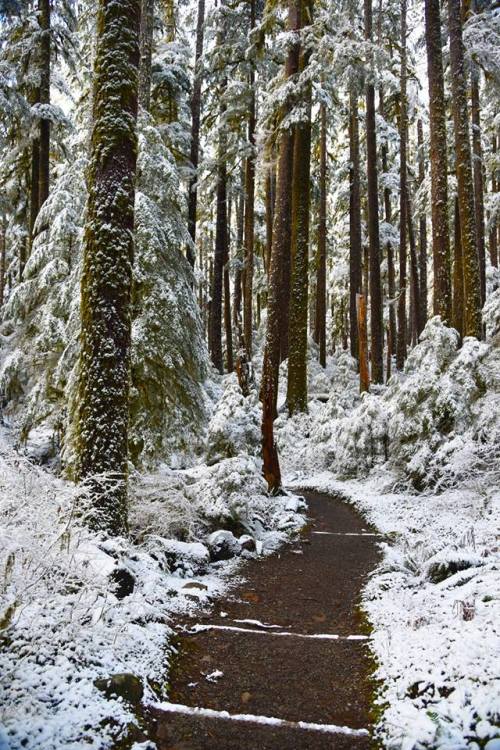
[{"x": 103, "y": 412}]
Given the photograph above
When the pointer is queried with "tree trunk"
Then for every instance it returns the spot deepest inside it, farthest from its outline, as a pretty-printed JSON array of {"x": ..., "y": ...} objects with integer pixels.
[
  {"x": 297, "y": 327},
  {"x": 376, "y": 326},
  {"x": 270, "y": 189},
  {"x": 146, "y": 52},
  {"x": 364, "y": 372},
  {"x": 472, "y": 285},
  {"x": 220, "y": 250},
  {"x": 422, "y": 226},
  {"x": 104, "y": 368},
  {"x": 391, "y": 276},
  {"x": 415, "y": 286},
  {"x": 403, "y": 199},
  {"x": 195, "y": 132},
  {"x": 493, "y": 239},
  {"x": 439, "y": 164},
  {"x": 227, "y": 297},
  {"x": 249, "y": 209},
  {"x": 355, "y": 252},
  {"x": 458, "y": 275},
  {"x": 44, "y": 174},
  {"x": 478, "y": 178},
  {"x": 35, "y": 174},
  {"x": 238, "y": 273},
  {"x": 320, "y": 317}
]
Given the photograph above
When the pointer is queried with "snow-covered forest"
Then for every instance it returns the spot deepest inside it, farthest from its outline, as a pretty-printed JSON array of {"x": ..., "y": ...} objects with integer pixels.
[{"x": 249, "y": 374}]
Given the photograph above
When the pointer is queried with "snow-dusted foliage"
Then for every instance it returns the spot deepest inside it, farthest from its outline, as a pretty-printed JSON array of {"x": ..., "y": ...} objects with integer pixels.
[
  {"x": 435, "y": 423},
  {"x": 235, "y": 425},
  {"x": 41, "y": 318}
]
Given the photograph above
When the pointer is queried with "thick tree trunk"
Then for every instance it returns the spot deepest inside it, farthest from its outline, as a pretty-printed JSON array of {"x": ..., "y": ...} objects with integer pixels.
[
  {"x": 297, "y": 328},
  {"x": 249, "y": 210},
  {"x": 376, "y": 325},
  {"x": 44, "y": 174},
  {"x": 320, "y": 316},
  {"x": 104, "y": 369},
  {"x": 403, "y": 199},
  {"x": 439, "y": 163},
  {"x": 269, "y": 219},
  {"x": 422, "y": 227},
  {"x": 472, "y": 285},
  {"x": 355, "y": 251},
  {"x": 146, "y": 52},
  {"x": 195, "y": 132}
]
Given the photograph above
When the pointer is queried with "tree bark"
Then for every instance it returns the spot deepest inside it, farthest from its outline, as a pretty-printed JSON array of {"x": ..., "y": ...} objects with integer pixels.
[
  {"x": 195, "y": 132},
  {"x": 249, "y": 209},
  {"x": 422, "y": 225},
  {"x": 439, "y": 164},
  {"x": 104, "y": 368},
  {"x": 472, "y": 285},
  {"x": 376, "y": 326},
  {"x": 227, "y": 297},
  {"x": 355, "y": 252},
  {"x": 493, "y": 238},
  {"x": 220, "y": 250},
  {"x": 320, "y": 317},
  {"x": 297, "y": 327},
  {"x": 403, "y": 199},
  {"x": 478, "y": 178},
  {"x": 415, "y": 285},
  {"x": 364, "y": 372},
  {"x": 458, "y": 275}
]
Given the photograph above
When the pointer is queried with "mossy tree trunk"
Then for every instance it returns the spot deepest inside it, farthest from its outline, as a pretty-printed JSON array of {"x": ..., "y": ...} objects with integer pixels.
[
  {"x": 472, "y": 286},
  {"x": 376, "y": 325},
  {"x": 297, "y": 326},
  {"x": 391, "y": 275},
  {"x": 104, "y": 367},
  {"x": 439, "y": 164}
]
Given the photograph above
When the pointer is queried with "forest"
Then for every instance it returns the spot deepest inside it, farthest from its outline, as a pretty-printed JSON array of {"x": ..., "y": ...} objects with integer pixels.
[{"x": 249, "y": 374}]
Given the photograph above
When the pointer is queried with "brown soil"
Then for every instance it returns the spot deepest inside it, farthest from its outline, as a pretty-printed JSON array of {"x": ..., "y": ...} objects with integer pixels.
[{"x": 312, "y": 587}]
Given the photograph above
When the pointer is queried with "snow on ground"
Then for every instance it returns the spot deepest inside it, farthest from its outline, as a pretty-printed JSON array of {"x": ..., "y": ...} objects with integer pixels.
[
  {"x": 420, "y": 458},
  {"x": 75, "y": 609}
]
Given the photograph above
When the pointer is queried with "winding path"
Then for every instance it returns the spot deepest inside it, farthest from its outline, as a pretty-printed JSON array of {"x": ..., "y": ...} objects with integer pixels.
[{"x": 302, "y": 684}]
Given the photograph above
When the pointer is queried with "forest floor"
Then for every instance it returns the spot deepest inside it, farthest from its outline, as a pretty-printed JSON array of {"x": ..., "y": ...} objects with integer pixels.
[{"x": 284, "y": 662}]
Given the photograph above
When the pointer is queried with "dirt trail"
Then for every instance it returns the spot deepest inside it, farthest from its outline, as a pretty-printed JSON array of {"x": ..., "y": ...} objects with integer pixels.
[{"x": 311, "y": 588}]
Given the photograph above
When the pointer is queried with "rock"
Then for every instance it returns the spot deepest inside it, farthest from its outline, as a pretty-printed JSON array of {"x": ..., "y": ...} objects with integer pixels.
[
  {"x": 188, "y": 558},
  {"x": 123, "y": 685},
  {"x": 124, "y": 582},
  {"x": 247, "y": 543},
  {"x": 493, "y": 744},
  {"x": 195, "y": 585},
  {"x": 223, "y": 545}
]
